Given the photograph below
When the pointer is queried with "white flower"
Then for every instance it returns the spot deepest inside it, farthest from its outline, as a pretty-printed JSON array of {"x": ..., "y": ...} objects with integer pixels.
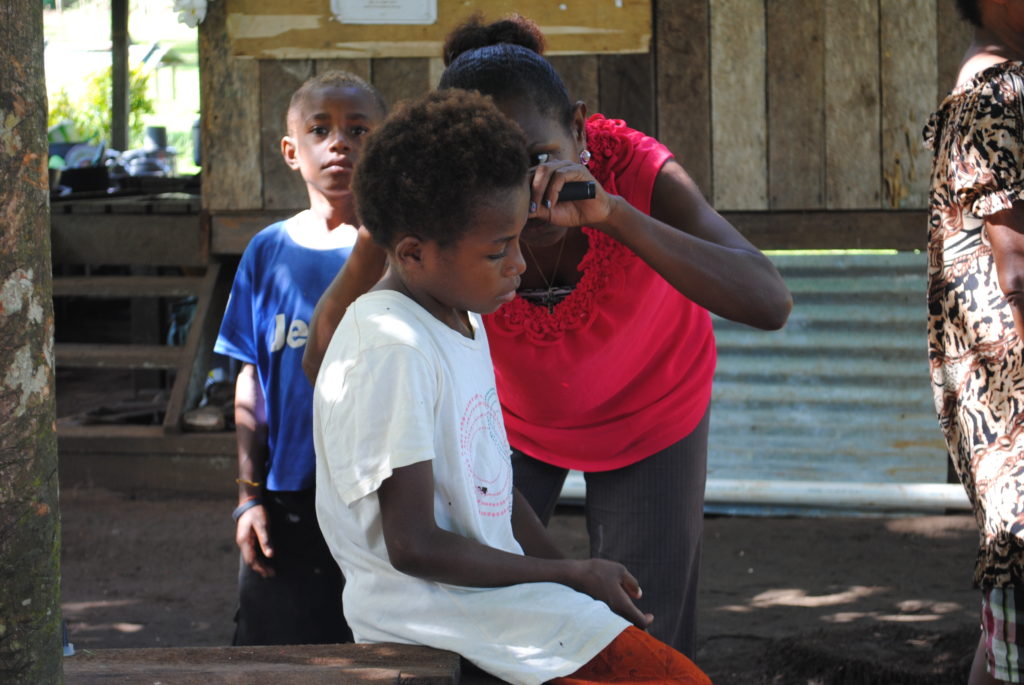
[{"x": 191, "y": 12}]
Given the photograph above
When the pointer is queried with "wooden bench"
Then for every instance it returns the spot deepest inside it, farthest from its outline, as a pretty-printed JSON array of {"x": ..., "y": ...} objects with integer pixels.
[{"x": 291, "y": 665}]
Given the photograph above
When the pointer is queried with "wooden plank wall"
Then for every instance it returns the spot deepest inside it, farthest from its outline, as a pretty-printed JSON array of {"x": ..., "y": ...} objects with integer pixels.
[{"x": 775, "y": 106}]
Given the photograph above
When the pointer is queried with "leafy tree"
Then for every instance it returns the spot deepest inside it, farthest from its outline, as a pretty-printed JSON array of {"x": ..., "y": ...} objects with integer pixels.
[{"x": 91, "y": 113}]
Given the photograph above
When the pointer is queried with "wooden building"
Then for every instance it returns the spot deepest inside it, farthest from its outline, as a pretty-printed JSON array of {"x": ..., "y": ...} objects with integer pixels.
[{"x": 799, "y": 119}]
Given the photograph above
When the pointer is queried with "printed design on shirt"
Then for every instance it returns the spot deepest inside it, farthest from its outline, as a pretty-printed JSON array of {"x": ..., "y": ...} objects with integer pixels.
[
  {"x": 293, "y": 334},
  {"x": 483, "y": 447}
]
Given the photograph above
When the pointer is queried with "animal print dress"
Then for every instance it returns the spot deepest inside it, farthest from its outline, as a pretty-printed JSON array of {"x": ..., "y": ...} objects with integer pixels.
[{"x": 976, "y": 359}]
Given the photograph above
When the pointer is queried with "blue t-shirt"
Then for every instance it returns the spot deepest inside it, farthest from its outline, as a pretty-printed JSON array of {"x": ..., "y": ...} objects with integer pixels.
[{"x": 278, "y": 283}]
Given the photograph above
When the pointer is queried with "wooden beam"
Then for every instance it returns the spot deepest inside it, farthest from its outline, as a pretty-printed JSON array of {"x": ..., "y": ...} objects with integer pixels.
[
  {"x": 738, "y": 116},
  {"x": 796, "y": 104},
  {"x": 398, "y": 78},
  {"x": 853, "y": 178},
  {"x": 777, "y": 230},
  {"x": 283, "y": 187},
  {"x": 304, "y": 29},
  {"x": 119, "y": 111},
  {"x": 683, "y": 78},
  {"x": 139, "y": 444},
  {"x": 229, "y": 91},
  {"x": 198, "y": 349},
  {"x": 833, "y": 230},
  {"x": 146, "y": 240},
  {"x": 907, "y": 40},
  {"x": 125, "y": 286},
  {"x": 82, "y": 355},
  {"x": 627, "y": 90},
  {"x": 580, "y": 75},
  {"x": 230, "y": 233},
  {"x": 952, "y": 37}
]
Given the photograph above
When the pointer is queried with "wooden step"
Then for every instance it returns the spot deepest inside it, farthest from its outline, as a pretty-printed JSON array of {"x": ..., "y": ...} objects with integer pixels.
[
  {"x": 136, "y": 440},
  {"x": 93, "y": 356},
  {"x": 126, "y": 286}
]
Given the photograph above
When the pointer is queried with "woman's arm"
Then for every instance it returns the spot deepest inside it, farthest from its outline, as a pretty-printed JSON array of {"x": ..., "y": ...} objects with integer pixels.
[
  {"x": 363, "y": 268},
  {"x": 1006, "y": 236},
  {"x": 685, "y": 240},
  {"x": 418, "y": 547}
]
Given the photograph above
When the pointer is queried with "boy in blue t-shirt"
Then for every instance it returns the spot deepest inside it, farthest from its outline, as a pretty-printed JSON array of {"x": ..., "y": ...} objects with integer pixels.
[{"x": 289, "y": 585}]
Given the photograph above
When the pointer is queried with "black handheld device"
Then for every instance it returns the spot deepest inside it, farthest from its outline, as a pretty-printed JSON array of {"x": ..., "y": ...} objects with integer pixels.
[{"x": 577, "y": 190}]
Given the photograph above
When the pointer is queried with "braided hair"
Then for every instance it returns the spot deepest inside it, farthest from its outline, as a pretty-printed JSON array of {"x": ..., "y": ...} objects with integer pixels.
[{"x": 504, "y": 59}]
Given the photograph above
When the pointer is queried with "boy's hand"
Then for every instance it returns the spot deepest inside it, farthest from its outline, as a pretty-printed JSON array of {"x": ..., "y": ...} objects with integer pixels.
[
  {"x": 253, "y": 537},
  {"x": 610, "y": 582}
]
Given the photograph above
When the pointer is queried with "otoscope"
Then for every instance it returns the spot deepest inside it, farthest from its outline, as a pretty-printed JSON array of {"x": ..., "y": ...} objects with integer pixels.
[{"x": 577, "y": 190}]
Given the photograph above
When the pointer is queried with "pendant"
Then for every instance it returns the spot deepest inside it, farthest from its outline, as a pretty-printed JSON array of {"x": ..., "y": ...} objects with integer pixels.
[{"x": 549, "y": 300}]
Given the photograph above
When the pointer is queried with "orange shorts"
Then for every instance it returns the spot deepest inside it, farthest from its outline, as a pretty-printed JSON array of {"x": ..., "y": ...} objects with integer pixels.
[{"x": 636, "y": 657}]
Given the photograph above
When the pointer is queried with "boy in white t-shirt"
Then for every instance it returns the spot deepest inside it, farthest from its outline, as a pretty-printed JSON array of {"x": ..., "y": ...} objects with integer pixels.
[{"x": 414, "y": 482}]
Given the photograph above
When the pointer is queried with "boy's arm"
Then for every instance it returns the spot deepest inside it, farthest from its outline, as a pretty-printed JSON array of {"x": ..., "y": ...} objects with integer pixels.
[
  {"x": 363, "y": 268},
  {"x": 251, "y": 437},
  {"x": 530, "y": 533},
  {"x": 418, "y": 547}
]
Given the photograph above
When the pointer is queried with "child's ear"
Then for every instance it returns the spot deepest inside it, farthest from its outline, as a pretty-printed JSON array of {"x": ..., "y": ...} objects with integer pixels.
[
  {"x": 290, "y": 152},
  {"x": 409, "y": 252}
]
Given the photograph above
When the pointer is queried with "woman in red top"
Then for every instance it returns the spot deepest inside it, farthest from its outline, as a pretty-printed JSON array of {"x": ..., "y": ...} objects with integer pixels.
[{"x": 605, "y": 358}]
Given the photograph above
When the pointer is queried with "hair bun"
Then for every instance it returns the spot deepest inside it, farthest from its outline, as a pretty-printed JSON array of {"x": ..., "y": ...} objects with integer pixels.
[{"x": 474, "y": 33}]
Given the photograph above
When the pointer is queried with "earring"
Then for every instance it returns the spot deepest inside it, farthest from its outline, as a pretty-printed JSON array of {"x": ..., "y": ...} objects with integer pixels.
[{"x": 585, "y": 157}]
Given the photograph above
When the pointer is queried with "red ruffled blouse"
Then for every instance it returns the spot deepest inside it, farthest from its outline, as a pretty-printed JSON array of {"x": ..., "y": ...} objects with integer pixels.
[{"x": 622, "y": 367}]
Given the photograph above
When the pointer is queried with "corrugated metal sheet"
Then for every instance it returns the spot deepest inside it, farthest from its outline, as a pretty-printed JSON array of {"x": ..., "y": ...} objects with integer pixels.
[{"x": 840, "y": 396}]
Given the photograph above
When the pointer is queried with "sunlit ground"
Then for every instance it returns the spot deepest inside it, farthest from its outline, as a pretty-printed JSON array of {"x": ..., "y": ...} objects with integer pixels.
[{"x": 154, "y": 571}]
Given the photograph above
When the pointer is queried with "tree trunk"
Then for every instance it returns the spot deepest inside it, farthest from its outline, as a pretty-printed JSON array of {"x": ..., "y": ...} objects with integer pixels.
[{"x": 30, "y": 618}]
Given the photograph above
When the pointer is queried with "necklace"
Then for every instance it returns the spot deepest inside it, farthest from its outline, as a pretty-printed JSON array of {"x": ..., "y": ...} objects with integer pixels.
[{"x": 549, "y": 297}]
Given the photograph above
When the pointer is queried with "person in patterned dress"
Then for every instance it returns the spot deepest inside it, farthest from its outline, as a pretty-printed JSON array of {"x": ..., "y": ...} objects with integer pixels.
[{"x": 976, "y": 313}]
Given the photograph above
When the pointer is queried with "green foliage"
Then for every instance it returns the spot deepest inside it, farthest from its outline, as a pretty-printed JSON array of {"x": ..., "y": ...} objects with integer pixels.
[{"x": 91, "y": 113}]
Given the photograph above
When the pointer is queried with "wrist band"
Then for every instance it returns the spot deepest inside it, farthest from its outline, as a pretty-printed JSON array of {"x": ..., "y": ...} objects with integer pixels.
[
  {"x": 248, "y": 482},
  {"x": 245, "y": 506}
]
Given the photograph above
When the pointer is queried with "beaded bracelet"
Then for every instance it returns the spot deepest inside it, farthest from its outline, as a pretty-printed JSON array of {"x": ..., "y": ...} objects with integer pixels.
[{"x": 245, "y": 506}]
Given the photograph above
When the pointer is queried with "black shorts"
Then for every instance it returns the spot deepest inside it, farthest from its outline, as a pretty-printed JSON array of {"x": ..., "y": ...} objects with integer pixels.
[{"x": 301, "y": 604}]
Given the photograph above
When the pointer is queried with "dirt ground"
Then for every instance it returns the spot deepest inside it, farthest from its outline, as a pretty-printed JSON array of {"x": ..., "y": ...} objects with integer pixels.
[{"x": 785, "y": 601}]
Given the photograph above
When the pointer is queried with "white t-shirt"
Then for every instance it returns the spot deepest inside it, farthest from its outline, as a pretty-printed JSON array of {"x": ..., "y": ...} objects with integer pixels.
[{"x": 398, "y": 387}]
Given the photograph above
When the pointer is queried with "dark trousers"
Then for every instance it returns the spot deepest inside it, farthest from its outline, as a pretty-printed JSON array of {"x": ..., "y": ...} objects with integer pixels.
[
  {"x": 648, "y": 516},
  {"x": 301, "y": 603}
]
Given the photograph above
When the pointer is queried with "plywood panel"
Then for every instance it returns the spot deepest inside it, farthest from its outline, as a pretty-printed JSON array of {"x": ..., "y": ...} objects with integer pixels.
[
  {"x": 683, "y": 77},
  {"x": 283, "y": 188},
  {"x": 907, "y": 44},
  {"x": 435, "y": 68},
  {"x": 627, "y": 89},
  {"x": 359, "y": 67},
  {"x": 229, "y": 93},
  {"x": 580, "y": 75},
  {"x": 738, "y": 115},
  {"x": 401, "y": 77},
  {"x": 291, "y": 29},
  {"x": 953, "y": 36},
  {"x": 796, "y": 104},
  {"x": 852, "y": 107}
]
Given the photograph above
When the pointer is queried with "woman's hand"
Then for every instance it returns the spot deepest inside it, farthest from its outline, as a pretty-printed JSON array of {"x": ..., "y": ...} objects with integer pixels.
[
  {"x": 548, "y": 178},
  {"x": 611, "y": 583}
]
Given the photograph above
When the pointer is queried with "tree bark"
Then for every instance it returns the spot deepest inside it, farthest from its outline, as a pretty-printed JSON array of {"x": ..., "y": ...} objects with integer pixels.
[{"x": 30, "y": 618}]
